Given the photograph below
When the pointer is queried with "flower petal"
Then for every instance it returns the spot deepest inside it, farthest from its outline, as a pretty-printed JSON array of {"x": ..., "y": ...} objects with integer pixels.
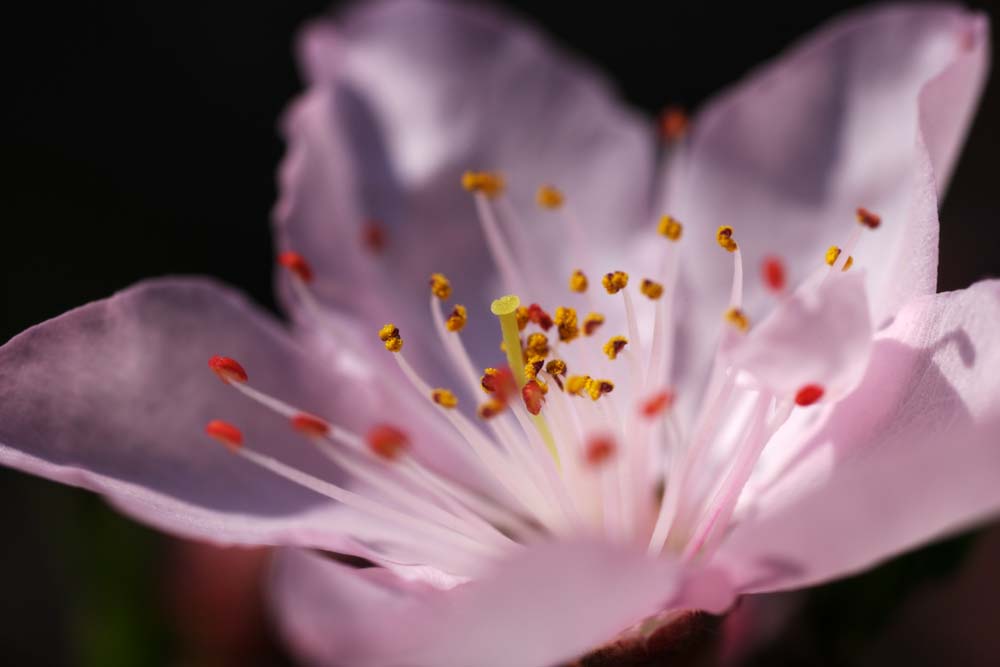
[
  {"x": 114, "y": 397},
  {"x": 404, "y": 97},
  {"x": 543, "y": 606},
  {"x": 910, "y": 455},
  {"x": 870, "y": 111},
  {"x": 820, "y": 337}
]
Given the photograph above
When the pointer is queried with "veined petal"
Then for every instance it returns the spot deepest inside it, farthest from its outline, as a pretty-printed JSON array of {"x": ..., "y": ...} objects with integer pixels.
[
  {"x": 114, "y": 397},
  {"x": 910, "y": 455},
  {"x": 404, "y": 97},
  {"x": 869, "y": 111},
  {"x": 541, "y": 607}
]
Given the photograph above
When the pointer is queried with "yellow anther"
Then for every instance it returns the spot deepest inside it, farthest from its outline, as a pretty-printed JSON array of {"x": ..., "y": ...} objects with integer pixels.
[
  {"x": 490, "y": 409},
  {"x": 591, "y": 323},
  {"x": 615, "y": 345},
  {"x": 565, "y": 321},
  {"x": 575, "y": 384},
  {"x": 549, "y": 197},
  {"x": 537, "y": 345},
  {"x": 615, "y": 281},
  {"x": 578, "y": 281},
  {"x": 440, "y": 287},
  {"x": 738, "y": 319},
  {"x": 597, "y": 388},
  {"x": 458, "y": 318},
  {"x": 532, "y": 367},
  {"x": 488, "y": 183},
  {"x": 650, "y": 288},
  {"x": 670, "y": 228},
  {"x": 543, "y": 386},
  {"x": 444, "y": 398},
  {"x": 724, "y": 236},
  {"x": 849, "y": 263},
  {"x": 556, "y": 367},
  {"x": 389, "y": 334},
  {"x": 522, "y": 317},
  {"x": 832, "y": 253}
]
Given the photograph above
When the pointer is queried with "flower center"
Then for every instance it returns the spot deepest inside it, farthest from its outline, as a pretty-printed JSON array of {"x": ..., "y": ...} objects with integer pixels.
[{"x": 575, "y": 435}]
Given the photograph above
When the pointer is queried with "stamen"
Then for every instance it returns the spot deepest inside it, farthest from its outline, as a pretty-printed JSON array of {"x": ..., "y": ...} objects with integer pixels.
[
  {"x": 599, "y": 450},
  {"x": 597, "y": 388},
  {"x": 615, "y": 281},
  {"x": 444, "y": 398},
  {"x": 670, "y": 228},
  {"x": 539, "y": 317},
  {"x": 373, "y": 236},
  {"x": 656, "y": 404},
  {"x": 387, "y": 441},
  {"x": 389, "y": 334},
  {"x": 537, "y": 345},
  {"x": 533, "y": 396},
  {"x": 773, "y": 271},
  {"x": 457, "y": 319},
  {"x": 578, "y": 281},
  {"x": 228, "y": 370},
  {"x": 488, "y": 183},
  {"x": 724, "y": 237},
  {"x": 868, "y": 219},
  {"x": 310, "y": 425},
  {"x": 225, "y": 433},
  {"x": 297, "y": 264},
  {"x": 591, "y": 323},
  {"x": 491, "y": 409},
  {"x": 549, "y": 197},
  {"x": 523, "y": 317},
  {"x": 832, "y": 253},
  {"x": 575, "y": 384},
  {"x": 440, "y": 286},
  {"x": 615, "y": 345},
  {"x": 499, "y": 382},
  {"x": 809, "y": 394},
  {"x": 651, "y": 289},
  {"x": 566, "y": 322},
  {"x": 848, "y": 264},
  {"x": 673, "y": 124},
  {"x": 738, "y": 319}
]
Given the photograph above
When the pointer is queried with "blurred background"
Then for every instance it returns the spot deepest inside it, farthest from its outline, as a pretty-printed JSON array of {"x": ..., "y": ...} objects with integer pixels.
[{"x": 140, "y": 139}]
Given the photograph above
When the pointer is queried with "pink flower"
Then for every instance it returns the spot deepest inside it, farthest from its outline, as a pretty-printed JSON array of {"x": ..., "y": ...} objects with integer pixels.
[{"x": 716, "y": 434}]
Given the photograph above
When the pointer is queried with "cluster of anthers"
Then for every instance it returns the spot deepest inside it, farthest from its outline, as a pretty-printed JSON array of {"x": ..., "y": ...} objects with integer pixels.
[{"x": 566, "y": 452}]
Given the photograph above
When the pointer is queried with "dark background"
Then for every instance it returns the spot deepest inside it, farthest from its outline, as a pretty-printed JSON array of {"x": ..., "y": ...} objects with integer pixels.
[{"x": 140, "y": 140}]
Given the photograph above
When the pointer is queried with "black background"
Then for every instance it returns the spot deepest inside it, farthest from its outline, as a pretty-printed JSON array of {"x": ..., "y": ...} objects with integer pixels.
[{"x": 140, "y": 140}]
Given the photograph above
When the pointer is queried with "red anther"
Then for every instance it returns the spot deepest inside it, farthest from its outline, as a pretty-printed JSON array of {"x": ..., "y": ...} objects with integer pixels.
[
  {"x": 500, "y": 384},
  {"x": 868, "y": 219},
  {"x": 225, "y": 433},
  {"x": 599, "y": 449},
  {"x": 373, "y": 236},
  {"x": 297, "y": 264},
  {"x": 309, "y": 425},
  {"x": 539, "y": 316},
  {"x": 773, "y": 270},
  {"x": 228, "y": 370},
  {"x": 533, "y": 397},
  {"x": 657, "y": 403},
  {"x": 808, "y": 394},
  {"x": 673, "y": 123},
  {"x": 387, "y": 441}
]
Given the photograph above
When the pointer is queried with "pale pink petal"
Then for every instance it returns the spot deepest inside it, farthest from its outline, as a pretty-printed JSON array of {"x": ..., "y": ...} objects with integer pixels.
[
  {"x": 869, "y": 111},
  {"x": 541, "y": 607},
  {"x": 114, "y": 397},
  {"x": 818, "y": 337},
  {"x": 912, "y": 454},
  {"x": 404, "y": 97}
]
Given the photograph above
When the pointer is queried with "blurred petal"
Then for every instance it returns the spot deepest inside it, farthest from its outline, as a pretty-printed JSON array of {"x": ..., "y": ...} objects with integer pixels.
[
  {"x": 114, "y": 397},
  {"x": 870, "y": 111},
  {"x": 821, "y": 335},
  {"x": 405, "y": 96},
  {"x": 543, "y": 606},
  {"x": 911, "y": 455}
]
